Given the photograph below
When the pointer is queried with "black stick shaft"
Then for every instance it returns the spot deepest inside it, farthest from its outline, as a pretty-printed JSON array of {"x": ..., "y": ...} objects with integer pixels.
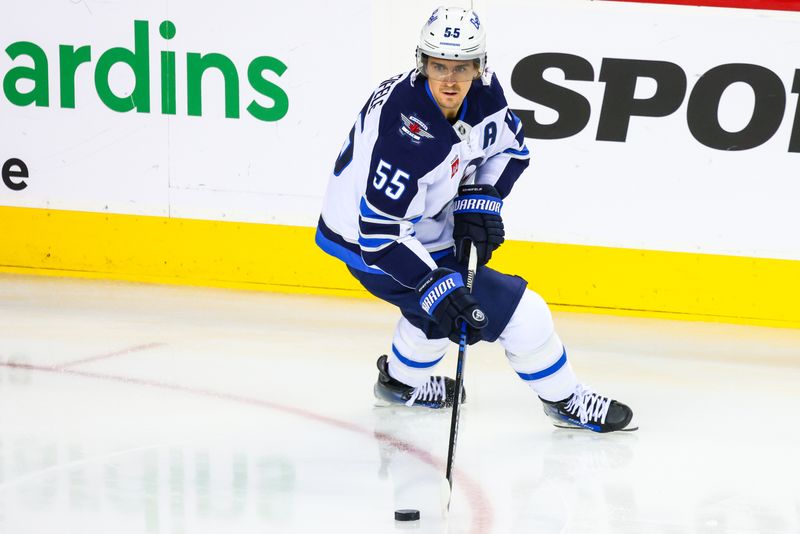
[{"x": 459, "y": 385}]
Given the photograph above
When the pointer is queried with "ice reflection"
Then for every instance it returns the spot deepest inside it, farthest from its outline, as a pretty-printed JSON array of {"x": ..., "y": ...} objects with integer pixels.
[
  {"x": 154, "y": 490},
  {"x": 267, "y": 424},
  {"x": 13, "y": 370}
]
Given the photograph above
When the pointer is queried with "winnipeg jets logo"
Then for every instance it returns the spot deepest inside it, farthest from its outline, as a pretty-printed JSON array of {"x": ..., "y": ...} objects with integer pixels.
[{"x": 415, "y": 129}]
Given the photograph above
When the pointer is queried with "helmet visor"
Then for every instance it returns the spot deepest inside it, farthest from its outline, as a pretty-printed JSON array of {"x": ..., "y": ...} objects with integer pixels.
[{"x": 447, "y": 70}]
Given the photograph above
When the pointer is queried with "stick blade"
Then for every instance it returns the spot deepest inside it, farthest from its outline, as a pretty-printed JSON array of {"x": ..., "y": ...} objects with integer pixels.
[{"x": 444, "y": 494}]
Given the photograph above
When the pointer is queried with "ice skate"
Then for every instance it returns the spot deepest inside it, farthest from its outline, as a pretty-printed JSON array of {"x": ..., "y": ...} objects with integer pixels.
[
  {"x": 437, "y": 392},
  {"x": 585, "y": 409}
]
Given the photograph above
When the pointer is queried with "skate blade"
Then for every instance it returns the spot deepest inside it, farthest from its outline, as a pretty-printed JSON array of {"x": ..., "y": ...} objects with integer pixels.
[
  {"x": 383, "y": 403},
  {"x": 568, "y": 426}
]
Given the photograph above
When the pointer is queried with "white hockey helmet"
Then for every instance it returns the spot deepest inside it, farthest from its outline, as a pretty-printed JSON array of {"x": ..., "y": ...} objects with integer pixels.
[{"x": 452, "y": 33}]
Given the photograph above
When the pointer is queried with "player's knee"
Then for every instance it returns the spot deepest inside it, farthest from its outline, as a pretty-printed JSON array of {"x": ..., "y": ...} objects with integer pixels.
[
  {"x": 414, "y": 336},
  {"x": 530, "y": 327}
]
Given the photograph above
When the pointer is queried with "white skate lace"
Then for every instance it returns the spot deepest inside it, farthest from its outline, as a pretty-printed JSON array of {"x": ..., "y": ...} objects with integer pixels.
[
  {"x": 588, "y": 405},
  {"x": 433, "y": 389}
]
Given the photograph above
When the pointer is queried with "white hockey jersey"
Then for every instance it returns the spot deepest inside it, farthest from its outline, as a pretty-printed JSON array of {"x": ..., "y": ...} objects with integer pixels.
[{"x": 388, "y": 207}]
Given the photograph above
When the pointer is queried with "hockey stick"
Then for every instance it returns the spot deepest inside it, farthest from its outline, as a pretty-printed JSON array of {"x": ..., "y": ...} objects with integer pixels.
[{"x": 447, "y": 483}]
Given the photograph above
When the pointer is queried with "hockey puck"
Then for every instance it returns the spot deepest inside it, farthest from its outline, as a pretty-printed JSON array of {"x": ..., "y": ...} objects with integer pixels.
[{"x": 406, "y": 515}]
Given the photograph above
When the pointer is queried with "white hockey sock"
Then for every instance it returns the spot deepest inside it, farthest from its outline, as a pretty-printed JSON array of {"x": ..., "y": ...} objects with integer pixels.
[
  {"x": 413, "y": 355},
  {"x": 546, "y": 370},
  {"x": 535, "y": 351}
]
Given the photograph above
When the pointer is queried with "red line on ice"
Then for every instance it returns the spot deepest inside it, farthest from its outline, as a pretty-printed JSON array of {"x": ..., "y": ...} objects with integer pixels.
[
  {"x": 480, "y": 507},
  {"x": 137, "y": 348}
]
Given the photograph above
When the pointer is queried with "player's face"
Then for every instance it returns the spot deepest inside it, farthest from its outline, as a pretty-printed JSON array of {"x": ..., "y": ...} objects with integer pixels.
[{"x": 449, "y": 81}]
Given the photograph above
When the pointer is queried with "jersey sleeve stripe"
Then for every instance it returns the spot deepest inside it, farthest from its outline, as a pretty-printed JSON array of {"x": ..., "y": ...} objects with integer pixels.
[
  {"x": 371, "y": 212},
  {"x": 402, "y": 259},
  {"x": 374, "y": 244},
  {"x": 340, "y": 250},
  {"x": 372, "y": 229},
  {"x": 521, "y": 153}
]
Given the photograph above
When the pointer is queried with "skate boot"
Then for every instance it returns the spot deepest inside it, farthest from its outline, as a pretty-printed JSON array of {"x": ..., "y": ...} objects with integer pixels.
[
  {"x": 587, "y": 410},
  {"x": 437, "y": 392}
]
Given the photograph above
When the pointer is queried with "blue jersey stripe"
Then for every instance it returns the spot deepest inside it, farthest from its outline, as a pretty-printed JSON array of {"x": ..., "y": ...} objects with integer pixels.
[
  {"x": 523, "y": 152},
  {"x": 374, "y": 242},
  {"x": 406, "y": 266},
  {"x": 351, "y": 258},
  {"x": 463, "y": 110},
  {"x": 368, "y": 212},
  {"x": 350, "y": 253}
]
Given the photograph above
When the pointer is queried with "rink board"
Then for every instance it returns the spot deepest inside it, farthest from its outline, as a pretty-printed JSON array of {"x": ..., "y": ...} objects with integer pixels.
[
  {"x": 285, "y": 258},
  {"x": 154, "y": 171}
]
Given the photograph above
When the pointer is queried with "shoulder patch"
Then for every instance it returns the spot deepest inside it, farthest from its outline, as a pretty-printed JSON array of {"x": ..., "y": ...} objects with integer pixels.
[
  {"x": 415, "y": 129},
  {"x": 454, "y": 166}
]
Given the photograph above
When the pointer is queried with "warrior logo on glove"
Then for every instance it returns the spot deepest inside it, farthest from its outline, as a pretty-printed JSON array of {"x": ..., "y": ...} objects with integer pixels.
[
  {"x": 443, "y": 296},
  {"x": 477, "y": 220}
]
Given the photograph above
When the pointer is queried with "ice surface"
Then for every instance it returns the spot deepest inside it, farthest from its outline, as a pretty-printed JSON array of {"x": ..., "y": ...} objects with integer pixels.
[{"x": 132, "y": 408}]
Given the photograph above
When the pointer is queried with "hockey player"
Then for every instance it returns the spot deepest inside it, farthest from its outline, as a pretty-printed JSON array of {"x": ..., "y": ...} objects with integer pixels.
[{"x": 423, "y": 172}]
